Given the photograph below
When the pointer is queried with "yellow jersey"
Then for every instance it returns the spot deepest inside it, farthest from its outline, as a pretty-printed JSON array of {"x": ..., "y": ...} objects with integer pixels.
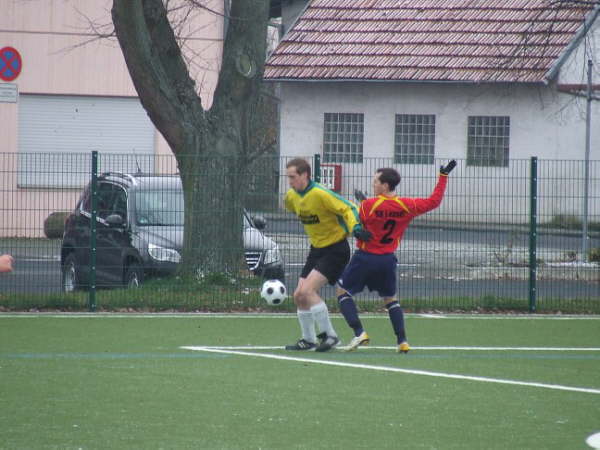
[{"x": 327, "y": 217}]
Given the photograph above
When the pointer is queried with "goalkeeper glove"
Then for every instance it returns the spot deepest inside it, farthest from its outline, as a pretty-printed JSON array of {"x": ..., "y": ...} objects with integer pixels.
[
  {"x": 445, "y": 170},
  {"x": 359, "y": 195},
  {"x": 361, "y": 233}
]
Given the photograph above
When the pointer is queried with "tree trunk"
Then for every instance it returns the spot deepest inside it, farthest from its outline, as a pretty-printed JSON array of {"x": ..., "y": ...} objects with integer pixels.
[
  {"x": 213, "y": 215},
  {"x": 212, "y": 147}
]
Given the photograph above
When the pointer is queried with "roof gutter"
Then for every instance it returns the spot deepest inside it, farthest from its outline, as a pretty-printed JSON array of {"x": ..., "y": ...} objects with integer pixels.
[{"x": 558, "y": 63}]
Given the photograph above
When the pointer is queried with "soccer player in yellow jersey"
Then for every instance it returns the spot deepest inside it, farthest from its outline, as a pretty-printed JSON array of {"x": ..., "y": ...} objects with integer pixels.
[{"x": 328, "y": 219}]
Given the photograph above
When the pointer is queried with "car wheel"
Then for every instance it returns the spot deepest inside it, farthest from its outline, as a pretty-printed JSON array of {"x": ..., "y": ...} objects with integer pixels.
[
  {"x": 133, "y": 276},
  {"x": 70, "y": 282}
]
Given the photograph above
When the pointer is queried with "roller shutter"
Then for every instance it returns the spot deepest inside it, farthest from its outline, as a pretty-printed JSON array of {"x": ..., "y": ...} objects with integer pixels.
[{"x": 58, "y": 133}]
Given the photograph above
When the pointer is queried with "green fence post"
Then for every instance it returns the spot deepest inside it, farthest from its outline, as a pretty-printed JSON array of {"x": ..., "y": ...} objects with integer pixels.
[
  {"x": 533, "y": 235},
  {"x": 317, "y": 168},
  {"x": 92, "y": 292}
]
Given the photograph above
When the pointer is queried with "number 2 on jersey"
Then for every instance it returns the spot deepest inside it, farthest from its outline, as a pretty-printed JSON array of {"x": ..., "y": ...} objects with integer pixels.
[{"x": 388, "y": 225}]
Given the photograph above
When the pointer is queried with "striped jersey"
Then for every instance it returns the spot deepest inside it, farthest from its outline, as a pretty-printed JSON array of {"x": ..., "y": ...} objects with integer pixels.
[
  {"x": 326, "y": 216},
  {"x": 388, "y": 217}
]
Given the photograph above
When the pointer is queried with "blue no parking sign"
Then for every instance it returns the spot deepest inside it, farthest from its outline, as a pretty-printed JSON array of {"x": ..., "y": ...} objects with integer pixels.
[{"x": 10, "y": 63}]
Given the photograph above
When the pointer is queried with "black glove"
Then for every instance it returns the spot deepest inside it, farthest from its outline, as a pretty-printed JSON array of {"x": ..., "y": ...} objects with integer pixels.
[
  {"x": 445, "y": 170},
  {"x": 359, "y": 195},
  {"x": 361, "y": 233}
]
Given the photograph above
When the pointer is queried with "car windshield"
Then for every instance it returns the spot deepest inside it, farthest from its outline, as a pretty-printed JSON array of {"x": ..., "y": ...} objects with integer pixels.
[
  {"x": 165, "y": 208},
  {"x": 159, "y": 207}
]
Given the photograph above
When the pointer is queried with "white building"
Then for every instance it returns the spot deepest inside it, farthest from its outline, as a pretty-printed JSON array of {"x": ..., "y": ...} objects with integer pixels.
[{"x": 489, "y": 83}]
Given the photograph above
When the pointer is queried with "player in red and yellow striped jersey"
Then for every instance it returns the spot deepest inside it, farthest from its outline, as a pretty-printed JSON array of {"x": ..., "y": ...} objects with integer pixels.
[{"x": 373, "y": 265}]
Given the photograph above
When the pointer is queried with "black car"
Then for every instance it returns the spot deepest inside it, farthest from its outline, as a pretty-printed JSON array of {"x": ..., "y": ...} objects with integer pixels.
[{"x": 139, "y": 234}]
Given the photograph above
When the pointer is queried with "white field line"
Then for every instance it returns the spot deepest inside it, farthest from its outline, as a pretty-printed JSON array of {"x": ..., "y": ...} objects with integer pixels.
[
  {"x": 396, "y": 370},
  {"x": 365, "y": 316},
  {"x": 435, "y": 347}
]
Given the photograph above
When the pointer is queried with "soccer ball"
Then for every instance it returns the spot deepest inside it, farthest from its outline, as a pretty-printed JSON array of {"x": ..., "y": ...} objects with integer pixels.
[{"x": 274, "y": 292}]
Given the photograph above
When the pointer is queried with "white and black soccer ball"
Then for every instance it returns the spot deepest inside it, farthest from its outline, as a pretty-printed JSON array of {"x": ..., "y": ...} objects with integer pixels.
[{"x": 274, "y": 292}]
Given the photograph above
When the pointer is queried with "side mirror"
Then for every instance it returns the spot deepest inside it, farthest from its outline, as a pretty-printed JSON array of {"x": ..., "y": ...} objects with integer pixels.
[
  {"x": 259, "y": 222},
  {"x": 115, "y": 221}
]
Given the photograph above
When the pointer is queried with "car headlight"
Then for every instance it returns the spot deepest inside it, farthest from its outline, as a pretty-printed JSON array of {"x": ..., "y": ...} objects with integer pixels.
[
  {"x": 163, "y": 254},
  {"x": 272, "y": 256}
]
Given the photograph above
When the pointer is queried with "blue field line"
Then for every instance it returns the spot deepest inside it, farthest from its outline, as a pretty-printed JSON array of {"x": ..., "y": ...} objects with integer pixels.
[
  {"x": 105, "y": 356},
  {"x": 564, "y": 355}
]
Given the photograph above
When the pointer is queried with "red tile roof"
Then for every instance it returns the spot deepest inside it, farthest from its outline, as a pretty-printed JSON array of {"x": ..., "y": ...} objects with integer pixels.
[{"x": 428, "y": 40}]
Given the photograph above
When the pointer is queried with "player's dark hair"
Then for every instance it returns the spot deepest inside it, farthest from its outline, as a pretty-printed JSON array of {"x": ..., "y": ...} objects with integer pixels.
[
  {"x": 389, "y": 176},
  {"x": 300, "y": 164}
]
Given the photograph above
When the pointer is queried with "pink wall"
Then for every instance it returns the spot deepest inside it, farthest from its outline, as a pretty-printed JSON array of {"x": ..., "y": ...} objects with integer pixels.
[{"x": 61, "y": 55}]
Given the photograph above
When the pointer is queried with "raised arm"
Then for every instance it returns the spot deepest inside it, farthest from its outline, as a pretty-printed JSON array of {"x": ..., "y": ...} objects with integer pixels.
[{"x": 418, "y": 206}]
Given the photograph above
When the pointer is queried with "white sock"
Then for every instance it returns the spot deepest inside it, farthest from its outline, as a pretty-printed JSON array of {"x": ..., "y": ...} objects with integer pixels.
[
  {"x": 321, "y": 315},
  {"x": 307, "y": 325}
]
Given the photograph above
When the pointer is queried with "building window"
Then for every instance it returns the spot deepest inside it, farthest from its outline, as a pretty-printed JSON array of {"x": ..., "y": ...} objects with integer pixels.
[
  {"x": 414, "y": 139},
  {"x": 343, "y": 138},
  {"x": 488, "y": 141}
]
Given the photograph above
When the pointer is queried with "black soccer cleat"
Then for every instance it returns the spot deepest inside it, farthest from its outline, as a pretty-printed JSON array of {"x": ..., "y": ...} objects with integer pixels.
[
  {"x": 327, "y": 342},
  {"x": 321, "y": 337},
  {"x": 302, "y": 344}
]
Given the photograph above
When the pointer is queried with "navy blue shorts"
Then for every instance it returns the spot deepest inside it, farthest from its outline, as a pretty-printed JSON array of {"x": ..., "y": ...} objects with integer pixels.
[{"x": 377, "y": 272}]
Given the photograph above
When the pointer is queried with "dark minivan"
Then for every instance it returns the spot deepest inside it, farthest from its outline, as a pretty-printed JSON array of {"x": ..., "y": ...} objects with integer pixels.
[{"x": 139, "y": 234}]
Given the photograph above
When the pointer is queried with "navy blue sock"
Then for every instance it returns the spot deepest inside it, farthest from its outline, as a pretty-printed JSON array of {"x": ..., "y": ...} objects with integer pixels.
[
  {"x": 397, "y": 317},
  {"x": 350, "y": 313}
]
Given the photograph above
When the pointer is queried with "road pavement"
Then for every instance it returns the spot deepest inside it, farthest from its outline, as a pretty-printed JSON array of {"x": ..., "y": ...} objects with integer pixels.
[{"x": 434, "y": 260}]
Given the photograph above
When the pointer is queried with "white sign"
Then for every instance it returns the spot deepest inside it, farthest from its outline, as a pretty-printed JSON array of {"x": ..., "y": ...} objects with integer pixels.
[{"x": 8, "y": 93}]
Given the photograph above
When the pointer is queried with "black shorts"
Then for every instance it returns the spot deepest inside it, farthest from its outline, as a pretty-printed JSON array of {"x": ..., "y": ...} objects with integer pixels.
[{"x": 330, "y": 261}]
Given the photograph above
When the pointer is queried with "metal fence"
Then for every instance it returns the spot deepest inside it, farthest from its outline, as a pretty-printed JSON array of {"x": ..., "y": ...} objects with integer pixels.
[{"x": 523, "y": 237}]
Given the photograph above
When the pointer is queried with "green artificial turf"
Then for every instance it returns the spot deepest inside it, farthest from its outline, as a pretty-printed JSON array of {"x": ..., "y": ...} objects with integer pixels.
[{"x": 123, "y": 381}]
